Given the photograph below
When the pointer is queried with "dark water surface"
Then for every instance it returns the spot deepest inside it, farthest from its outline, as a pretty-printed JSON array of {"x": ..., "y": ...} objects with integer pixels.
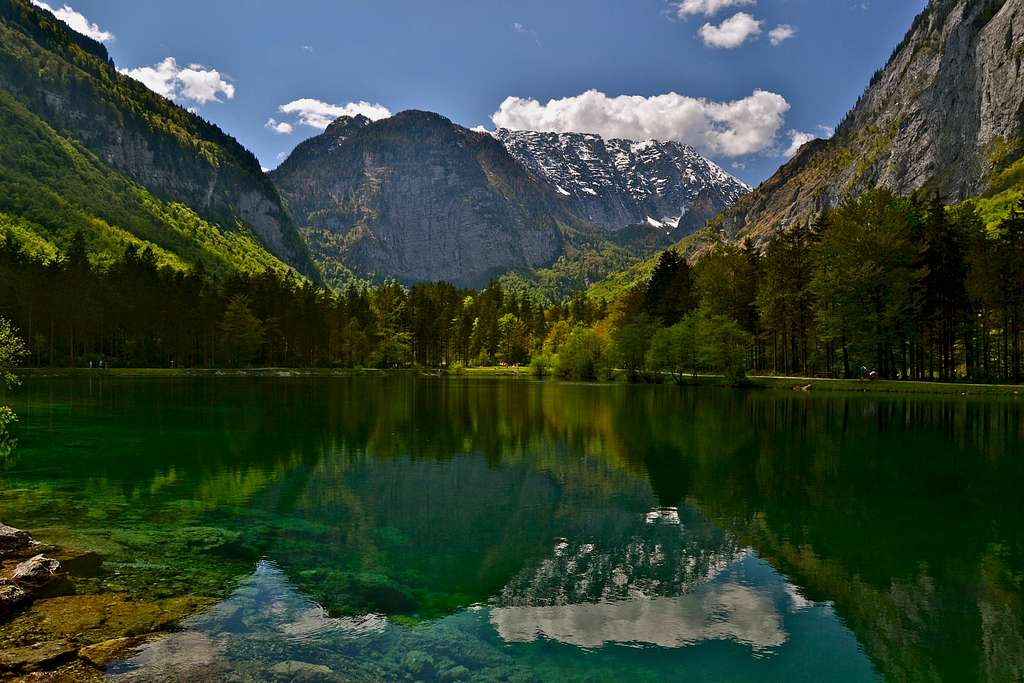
[{"x": 409, "y": 528}]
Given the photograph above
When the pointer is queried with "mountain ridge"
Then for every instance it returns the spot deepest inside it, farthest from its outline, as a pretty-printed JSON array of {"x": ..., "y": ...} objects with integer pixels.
[
  {"x": 69, "y": 81},
  {"x": 618, "y": 182},
  {"x": 418, "y": 198},
  {"x": 945, "y": 114}
]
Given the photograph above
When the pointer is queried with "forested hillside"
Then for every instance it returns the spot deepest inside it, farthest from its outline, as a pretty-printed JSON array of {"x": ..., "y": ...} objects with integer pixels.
[{"x": 89, "y": 149}]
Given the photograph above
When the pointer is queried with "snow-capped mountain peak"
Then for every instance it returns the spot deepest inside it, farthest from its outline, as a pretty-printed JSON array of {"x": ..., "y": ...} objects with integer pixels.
[{"x": 617, "y": 183}]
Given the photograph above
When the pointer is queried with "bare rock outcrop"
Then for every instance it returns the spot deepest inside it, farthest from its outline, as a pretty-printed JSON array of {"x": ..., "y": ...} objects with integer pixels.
[{"x": 946, "y": 114}]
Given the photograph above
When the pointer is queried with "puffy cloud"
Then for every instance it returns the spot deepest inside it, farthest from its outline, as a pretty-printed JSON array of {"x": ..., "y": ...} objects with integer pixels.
[
  {"x": 732, "y": 32},
  {"x": 76, "y": 21},
  {"x": 194, "y": 82},
  {"x": 318, "y": 114},
  {"x": 797, "y": 140},
  {"x": 827, "y": 131},
  {"x": 781, "y": 34},
  {"x": 728, "y": 128},
  {"x": 708, "y": 8},
  {"x": 279, "y": 127},
  {"x": 203, "y": 85}
]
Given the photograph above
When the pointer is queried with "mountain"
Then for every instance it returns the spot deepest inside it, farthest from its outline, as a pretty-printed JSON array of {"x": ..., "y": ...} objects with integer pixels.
[
  {"x": 617, "y": 183},
  {"x": 417, "y": 198},
  {"x": 945, "y": 115},
  {"x": 87, "y": 148}
]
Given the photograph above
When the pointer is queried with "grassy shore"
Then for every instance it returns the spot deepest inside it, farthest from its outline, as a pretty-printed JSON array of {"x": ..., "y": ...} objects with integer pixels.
[
  {"x": 776, "y": 383},
  {"x": 814, "y": 384}
]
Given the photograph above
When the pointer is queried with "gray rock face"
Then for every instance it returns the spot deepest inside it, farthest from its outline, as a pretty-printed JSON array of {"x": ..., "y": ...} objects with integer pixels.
[
  {"x": 36, "y": 570},
  {"x": 418, "y": 198},
  {"x": 12, "y": 539},
  {"x": 617, "y": 183},
  {"x": 10, "y": 595},
  {"x": 941, "y": 115}
]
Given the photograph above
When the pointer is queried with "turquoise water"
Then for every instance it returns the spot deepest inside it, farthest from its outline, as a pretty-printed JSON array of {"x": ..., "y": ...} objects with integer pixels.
[{"x": 401, "y": 528}]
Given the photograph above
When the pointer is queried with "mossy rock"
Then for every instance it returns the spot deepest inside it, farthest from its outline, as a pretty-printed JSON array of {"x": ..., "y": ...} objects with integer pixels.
[{"x": 97, "y": 618}]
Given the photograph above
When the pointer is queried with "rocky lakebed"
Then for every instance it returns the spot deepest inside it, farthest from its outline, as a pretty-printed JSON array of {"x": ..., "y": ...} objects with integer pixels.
[{"x": 52, "y": 628}]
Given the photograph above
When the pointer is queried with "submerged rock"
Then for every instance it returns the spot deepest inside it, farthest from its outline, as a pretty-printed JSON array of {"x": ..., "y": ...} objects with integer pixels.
[
  {"x": 37, "y": 656},
  {"x": 97, "y": 618},
  {"x": 75, "y": 671},
  {"x": 10, "y": 595},
  {"x": 419, "y": 664},
  {"x": 293, "y": 670},
  {"x": 456, "y": 673},
  {"x": 36, "y": 571},
  {"x": 13, "y": 540},
  {"x": 82, "y": 563},
  {"x": 109, "y": 651}
]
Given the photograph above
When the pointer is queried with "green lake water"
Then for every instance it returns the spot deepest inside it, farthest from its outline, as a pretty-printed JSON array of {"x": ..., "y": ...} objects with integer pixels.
[{"x": 403, "y": 528}]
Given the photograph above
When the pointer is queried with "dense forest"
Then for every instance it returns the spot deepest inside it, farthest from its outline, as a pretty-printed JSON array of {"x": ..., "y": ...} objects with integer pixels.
[{"x": 882, "y": 286}]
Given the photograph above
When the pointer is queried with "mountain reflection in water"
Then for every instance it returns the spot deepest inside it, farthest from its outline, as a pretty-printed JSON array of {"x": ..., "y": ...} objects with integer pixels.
[{"x": 432, "y": 529}]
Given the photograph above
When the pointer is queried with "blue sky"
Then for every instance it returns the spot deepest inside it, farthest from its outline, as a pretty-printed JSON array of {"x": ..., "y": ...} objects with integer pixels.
[{"x": 719, "y": 74}]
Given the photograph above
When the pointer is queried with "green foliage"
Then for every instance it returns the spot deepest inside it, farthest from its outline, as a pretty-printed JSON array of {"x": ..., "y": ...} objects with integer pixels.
[
  {"x": 631, "y": 340},
  {"x": 64, "y": 107},
  {"x": 577, "y": 270},
  {"x": 51, "y": 187},
  {"x": 582, "y": 355},
  {"x": 723, "y": 345},
  {"x": 669, "y": 294},
  {"x": 8, "y": 442},
  {"x": 242, "y": 332},
  {"x": 867, "y": 283},
  {"x": 540, "y": 365},
  {"x": 675, "y": 350},
  {"x": 12, "y": 353}
]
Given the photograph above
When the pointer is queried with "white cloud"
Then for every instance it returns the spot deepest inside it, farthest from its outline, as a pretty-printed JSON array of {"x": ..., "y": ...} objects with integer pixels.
[
  {"x": 827, "y": 131},
  {"x": 318, "y": 114},
  {"x": 479, "y": 129},
  {"x": 194, "y": 82},
  {"x": 797, "y": 140},
  {"x": 520, "y": 28},
  {"x": 76, "y": 21},
  {"x": 279, "y": 127},
  {"x": 728, "y": 128},
  {"x": 203, "y": 85},
  {"x": 732, "y": 32},
  {"x": 307, "y": 48},
  {"x": 685, "y": 8},
  {"x": 781, "y": 34}
]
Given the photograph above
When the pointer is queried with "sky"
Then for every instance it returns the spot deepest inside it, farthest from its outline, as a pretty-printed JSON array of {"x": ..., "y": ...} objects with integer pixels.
[{"x": 743, "y": 81}]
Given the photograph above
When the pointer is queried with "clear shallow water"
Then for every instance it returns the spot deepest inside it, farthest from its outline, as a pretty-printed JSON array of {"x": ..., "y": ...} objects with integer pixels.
[{"x": 419, "y": 529}]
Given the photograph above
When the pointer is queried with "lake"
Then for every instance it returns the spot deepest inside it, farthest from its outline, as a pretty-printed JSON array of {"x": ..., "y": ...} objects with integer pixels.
[{"x": 410, "y": 528}]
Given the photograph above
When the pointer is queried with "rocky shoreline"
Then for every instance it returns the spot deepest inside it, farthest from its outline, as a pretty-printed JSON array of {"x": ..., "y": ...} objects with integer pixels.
[{"x": 51, "y": 630}]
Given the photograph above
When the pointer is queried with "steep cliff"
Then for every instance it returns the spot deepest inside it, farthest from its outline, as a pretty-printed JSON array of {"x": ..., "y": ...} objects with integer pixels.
[
  {"x": 946, "y": 114},
  {"x": 418, "y": 198},
  {"x": 68, "y": 82}
]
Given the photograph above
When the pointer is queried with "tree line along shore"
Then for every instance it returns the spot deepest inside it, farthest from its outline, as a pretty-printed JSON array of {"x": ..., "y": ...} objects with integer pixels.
[{"x": 883, "y": 287}]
